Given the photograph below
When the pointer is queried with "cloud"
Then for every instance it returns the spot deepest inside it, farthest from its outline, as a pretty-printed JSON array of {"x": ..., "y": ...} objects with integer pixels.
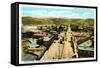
[{"x": 59, "y": 12}]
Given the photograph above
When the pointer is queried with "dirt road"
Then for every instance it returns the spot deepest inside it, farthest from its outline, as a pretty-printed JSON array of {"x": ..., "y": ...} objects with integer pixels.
[{"x": 58, "y": 50}]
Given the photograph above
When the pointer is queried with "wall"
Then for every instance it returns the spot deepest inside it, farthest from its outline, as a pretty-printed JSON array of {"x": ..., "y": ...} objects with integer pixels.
[{"x": 5, "y": 33}]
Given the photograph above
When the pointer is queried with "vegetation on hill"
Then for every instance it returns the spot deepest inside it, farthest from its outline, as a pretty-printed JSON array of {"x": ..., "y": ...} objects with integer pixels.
[{"x": 46, "y": 21}]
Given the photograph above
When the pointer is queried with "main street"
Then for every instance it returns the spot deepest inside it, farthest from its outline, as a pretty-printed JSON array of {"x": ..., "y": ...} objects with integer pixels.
[{"x": 60, "y": 50}]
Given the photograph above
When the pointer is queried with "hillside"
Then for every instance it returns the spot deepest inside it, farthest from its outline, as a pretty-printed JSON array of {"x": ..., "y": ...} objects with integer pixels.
[{"x": 66, "y": 21}]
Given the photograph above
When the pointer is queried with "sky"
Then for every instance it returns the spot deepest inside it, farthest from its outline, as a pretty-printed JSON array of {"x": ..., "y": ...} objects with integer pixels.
[{"x": 68, "y": 12}]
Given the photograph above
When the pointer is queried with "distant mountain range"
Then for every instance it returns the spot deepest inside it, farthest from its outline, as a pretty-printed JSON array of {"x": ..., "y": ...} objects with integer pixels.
[{"x": 46, "y": 21}]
